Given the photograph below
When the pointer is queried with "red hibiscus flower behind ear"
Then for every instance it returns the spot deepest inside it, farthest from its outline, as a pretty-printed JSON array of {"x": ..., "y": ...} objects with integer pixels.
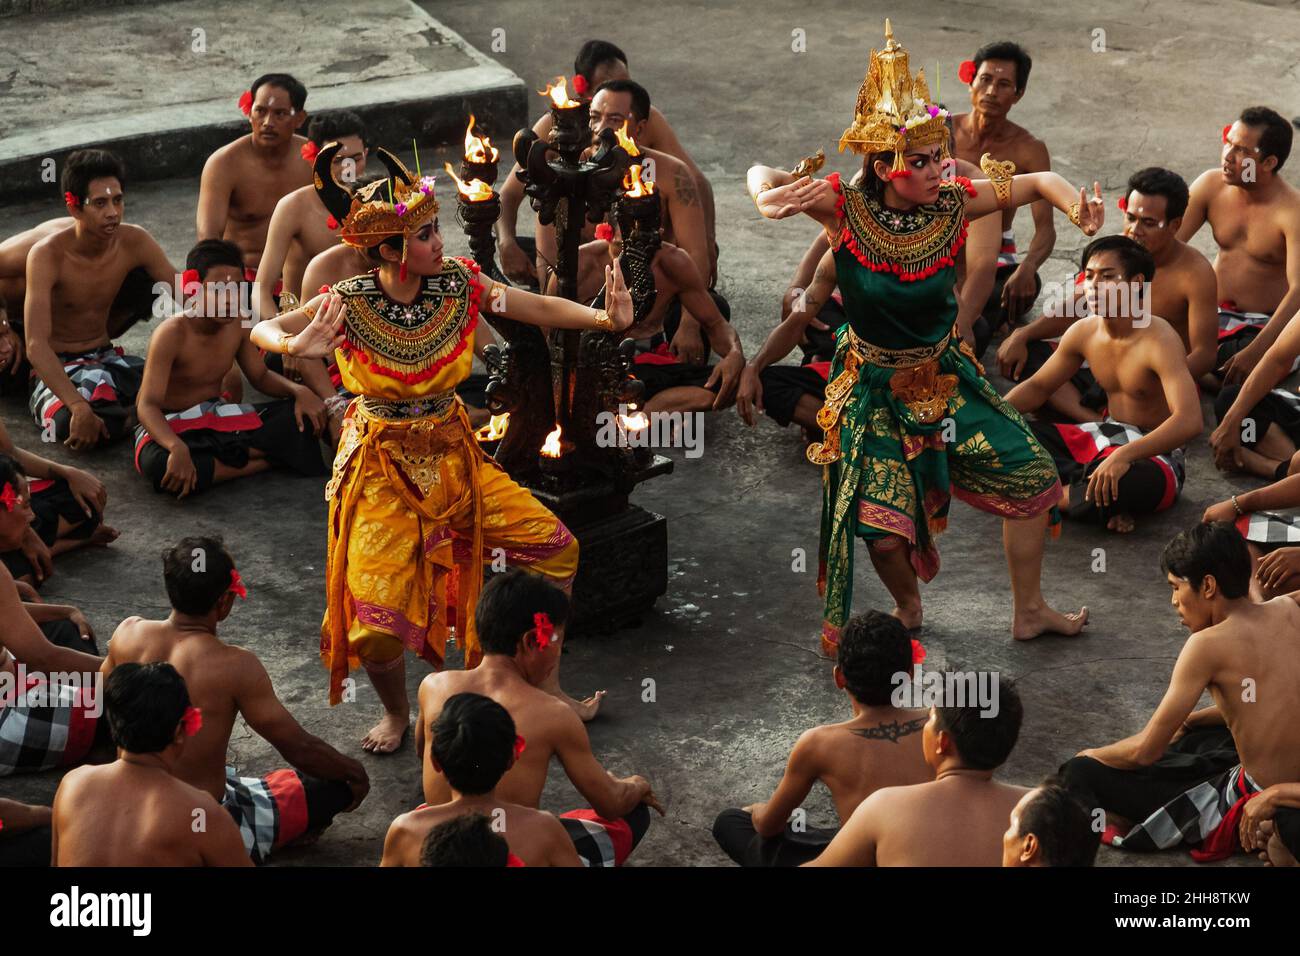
[
  {"x": 8, "y": 499},
  {"x": 1122, "y": 202},
  {"x": 237, "y": 586},
  {"x": 580, "y": 84},
  {"x": 246, "y": 102},
  {"x": 71, "y": 201},
  {"x": 310, "y": 151},
  {"x": 605, "y": 232},
  {"x": 192, "y": 721},
  {"x": 544, "y": 628},
  {"x": 966, "y": 72},
  {"x": 1225, "y": 132},
  {"x": 918, "y": 652}
]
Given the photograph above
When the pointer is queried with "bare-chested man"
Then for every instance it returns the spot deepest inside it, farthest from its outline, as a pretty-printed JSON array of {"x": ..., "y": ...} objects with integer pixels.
[
  {"x": 597, "y": 62},
  {"x": 625, "y": 105},
  {"x": 959, "y": 818},
  {"x": 243, "y": 181},
  {"x": 520, "y": 620},
  {"x": 879, "y": 747},
  {"x": 1049, "y": 827},
  {"x": 190, "y": 437},
  {"x": 228, "y": 682},
  {"x": 658, "y": 294},
  {"x": 1001, "y": 75},
  {"x": 1185, "y": 776},
  {"x": 1183, "y": 293},
  {"x": 84, "y": 390},
  {"x": 137, "y": 811},
  {"x": 473, "y": 743},
  {"x": 1255, "y": 217},
  {"x": 1131, "y": 462}
]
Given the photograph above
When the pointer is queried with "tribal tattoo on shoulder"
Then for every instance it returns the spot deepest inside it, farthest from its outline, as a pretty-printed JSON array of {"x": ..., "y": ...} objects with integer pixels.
[
  {"x": 892, "y": 731},
  {"x": 684, "y": 186}
]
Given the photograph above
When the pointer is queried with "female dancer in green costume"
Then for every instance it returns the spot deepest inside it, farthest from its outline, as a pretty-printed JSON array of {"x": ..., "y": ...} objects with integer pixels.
[{"x": 909, "y": 417}]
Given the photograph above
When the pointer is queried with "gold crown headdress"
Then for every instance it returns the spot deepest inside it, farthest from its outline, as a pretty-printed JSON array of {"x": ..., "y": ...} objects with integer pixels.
[
  {"x": 894, "y": 112},
  {"x": 398, "y": 205}
]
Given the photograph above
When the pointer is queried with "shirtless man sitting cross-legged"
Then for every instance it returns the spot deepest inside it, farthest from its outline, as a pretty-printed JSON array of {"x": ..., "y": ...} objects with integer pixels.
[
  {"x": 137, "y": 811},
  {"x": 959, "y": 818},
  {"x": 1131, "y": 462},
  {"x": 472, "y": 745},
  {"x": 1187, "y": 775},
  {"x": 520, "y": 621},
  {"x": 879, "y": 747}
]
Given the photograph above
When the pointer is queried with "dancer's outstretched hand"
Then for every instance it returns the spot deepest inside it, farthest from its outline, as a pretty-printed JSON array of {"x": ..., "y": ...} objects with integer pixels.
[
  {"x": 1092, "y": 212},
  {"x": 781, "y": 202},
  {"x": 325, "y": 333},
  {"x": 620, "y": 309}
]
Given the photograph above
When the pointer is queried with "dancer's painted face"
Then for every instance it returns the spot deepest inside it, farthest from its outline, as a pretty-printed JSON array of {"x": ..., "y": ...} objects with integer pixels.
[{"x": 925, "y": 167}]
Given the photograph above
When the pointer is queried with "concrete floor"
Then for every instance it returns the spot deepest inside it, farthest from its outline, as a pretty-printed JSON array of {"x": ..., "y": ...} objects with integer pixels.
[{"x": 732, "y": 647}]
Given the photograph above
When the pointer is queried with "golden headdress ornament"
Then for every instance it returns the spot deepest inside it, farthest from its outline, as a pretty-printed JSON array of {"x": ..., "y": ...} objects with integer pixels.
[
  {"x": 894, "y": 112},
  {"x": 398, "y": 205}
]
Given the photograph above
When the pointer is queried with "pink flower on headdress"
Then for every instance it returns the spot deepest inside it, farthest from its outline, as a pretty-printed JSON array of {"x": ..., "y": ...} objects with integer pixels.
[
  {"x": 237, "y": 586},
  {"x": 544, "y": 628},
  {"x": 426, "y": 185},
  {"x": 918, "y": 652},
  {"x": 7, "y": 497},
  {"x": 966, "y": 72},
  {"x": 580, "y": 84},
  {"x": 400, "y": 209},
  {"x": 246, "y": 102},
  {"x": 310, "y": 151},
  {"x": 932, "y": 110},
  {"x": 192, "y": 721}
]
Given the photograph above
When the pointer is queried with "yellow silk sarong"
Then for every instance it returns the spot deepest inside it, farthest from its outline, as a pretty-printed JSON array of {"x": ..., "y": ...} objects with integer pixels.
[{"x": 414, "y": 504}]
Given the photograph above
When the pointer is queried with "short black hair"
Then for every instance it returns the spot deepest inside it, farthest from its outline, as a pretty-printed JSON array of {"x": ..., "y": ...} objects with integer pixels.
[
  {"x": 466, "y": 840},
  {"x": 984, "y": 742},
  {"x": 334, "y": 124},
  {"x": 143, "y": 704},
  {"x": 214, "y": 252},
  {"x": 1158, "y": 181},
  {"x": 592, "y": 54},
  {"x": 1210, "y": 548},
  {"x": 297, "y": 92},
  {"x": 473, "y": 738},
  {"x": 1006, "y": 50},
  {"x": 1061, "y": 825},
  {"x": 640, "y": 96},
  {"x": 84, "y": 166},
  {"x": 197, "y": 573},
  {"x": 874, "y": 647},
  {"x": 1277, "y": 135},
  {"x": 1134, "y": 258},
  {"x": 506, "y": 607}
]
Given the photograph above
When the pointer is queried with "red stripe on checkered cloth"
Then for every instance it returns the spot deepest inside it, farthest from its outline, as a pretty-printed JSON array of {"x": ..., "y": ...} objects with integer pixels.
[
  {"x": 661, "y": 354},
  {"x": 290, "y": 804},
  {"x": 37, "y": 485},
  {"x": 1082, "y": 445},
  {"x": 245, "y": 421},
  {"x": 620, "y": 834},
  {"x": 1223, "y": 841},
  {"x": 81, "y": 726}
]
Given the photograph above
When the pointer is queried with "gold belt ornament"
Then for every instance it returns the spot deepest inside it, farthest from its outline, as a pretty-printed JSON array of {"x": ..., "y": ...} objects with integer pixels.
[
  {"x": 433, "y": 406},
  {"x": 916, "y": 382}
]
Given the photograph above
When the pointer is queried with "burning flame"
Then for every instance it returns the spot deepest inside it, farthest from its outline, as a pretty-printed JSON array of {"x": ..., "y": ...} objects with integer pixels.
[
  {"x": 558, "y": 91},
  {"x": 495, "y": 429},
  {"x": 628, "y": 144},
  {"x": 634, "y": 422},
  {"x": 635, "y": 186},
  {"x": 474, "y": 191},
  {"x": 551, "y": 447},
  {"x": 478, "y": 150}
]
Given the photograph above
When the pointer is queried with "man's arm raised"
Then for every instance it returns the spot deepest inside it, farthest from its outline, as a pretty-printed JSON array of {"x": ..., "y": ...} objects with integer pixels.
[{"x": 255, "y": 697}]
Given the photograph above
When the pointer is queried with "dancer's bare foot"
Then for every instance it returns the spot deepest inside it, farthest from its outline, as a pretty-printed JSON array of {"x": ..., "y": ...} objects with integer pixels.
[
  {"x": 103, "y": 536},
  {"x": 1121, "y": 523},
  {"x": 585, "y": 709},
  {"x": 909, "y": 616},
  {"x": 1034, "y": 622},
  {"x": 387, "y": 735}
]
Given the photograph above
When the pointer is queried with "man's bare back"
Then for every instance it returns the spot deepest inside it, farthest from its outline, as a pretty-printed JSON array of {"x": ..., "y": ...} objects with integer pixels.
[
  {"x": 216, "y": 675},
  {"x": 857, "y": 757},
  {"x": 535, "y": 836},
  {"x": 1255, "y": 656},
  {"x": 540, "y": 718},
  {"x": 128, "y": 814}
]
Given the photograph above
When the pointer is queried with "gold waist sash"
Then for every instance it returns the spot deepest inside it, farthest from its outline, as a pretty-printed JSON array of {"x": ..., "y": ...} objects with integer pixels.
[{"x": 916, "y": 383}]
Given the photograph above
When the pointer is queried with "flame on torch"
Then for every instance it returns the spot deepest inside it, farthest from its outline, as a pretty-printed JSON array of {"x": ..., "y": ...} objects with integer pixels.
[
  {"x": 551, "y": 447},
  {"x": 558, "y": 91},
  {"x": 495, "y": 429},
  {"x": 636, "y": 187},
  {"x": 634, "y": 422},
  {"x": 474, "y": 191},
  {"x": 478, "y": 150},
  {"x": 628, "y": 144}
]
